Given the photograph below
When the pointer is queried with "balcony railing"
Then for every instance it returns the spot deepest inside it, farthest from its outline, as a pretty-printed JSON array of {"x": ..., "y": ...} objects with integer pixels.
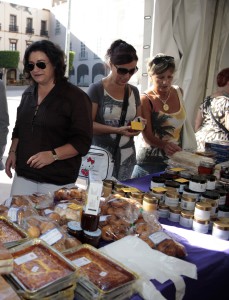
[
  {"x": 13, "y": 28},
  {"x": 29, "y": 30},
  {"x": 43, "y": 32}
]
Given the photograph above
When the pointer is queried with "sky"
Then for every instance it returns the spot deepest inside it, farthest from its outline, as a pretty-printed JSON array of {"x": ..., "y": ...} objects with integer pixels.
[{"x": 31, "y": 3}]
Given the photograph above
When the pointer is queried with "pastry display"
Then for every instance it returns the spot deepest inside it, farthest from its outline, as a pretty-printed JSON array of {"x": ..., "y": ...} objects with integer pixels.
[
  {"x": 36, "y": 267},
  {"x": 70, "y": 194},
  {"x": 105, "y": 274}
]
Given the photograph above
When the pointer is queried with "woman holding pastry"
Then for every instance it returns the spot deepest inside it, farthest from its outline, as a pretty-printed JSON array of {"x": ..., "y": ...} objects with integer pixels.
[
  {"x": 107, "y": 98},
  {"x": 164, "y": 110},
  {"x": 53, "y": 127}
]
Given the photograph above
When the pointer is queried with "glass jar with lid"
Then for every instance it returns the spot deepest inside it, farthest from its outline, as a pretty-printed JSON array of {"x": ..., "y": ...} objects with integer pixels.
[
  {"x": 149, "y": 202},
  {"x": 206, "y": 167}
]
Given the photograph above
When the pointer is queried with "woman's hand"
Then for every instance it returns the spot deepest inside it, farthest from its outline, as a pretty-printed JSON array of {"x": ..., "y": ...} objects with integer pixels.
[
  {"x": 127, "y": 131},
  {"x": 40, "y": 159},
  {"x": 10, "y": 163},
  {"x": 171, "y": 148}
]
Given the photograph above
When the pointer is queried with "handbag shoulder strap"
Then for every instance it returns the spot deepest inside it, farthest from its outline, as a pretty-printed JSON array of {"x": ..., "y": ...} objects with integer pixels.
[
  {"x": 122, "y": 119},
  {"x": 217, "y": 122}
]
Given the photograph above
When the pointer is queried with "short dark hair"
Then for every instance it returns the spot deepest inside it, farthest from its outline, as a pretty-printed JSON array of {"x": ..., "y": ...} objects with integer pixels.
[
  {"x": 55, "y": 54},
  {"x": 222, "y": 77},
  {"x": 160, "y": 63},
  {"x": 121, "y": 53}
]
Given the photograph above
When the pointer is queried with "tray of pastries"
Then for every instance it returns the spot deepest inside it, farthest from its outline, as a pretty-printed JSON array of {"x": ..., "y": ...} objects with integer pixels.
[
  {"x": 39, "y": 270},
  {"x": 99, "y": 275},
  {"x": 11, "y": 234}
]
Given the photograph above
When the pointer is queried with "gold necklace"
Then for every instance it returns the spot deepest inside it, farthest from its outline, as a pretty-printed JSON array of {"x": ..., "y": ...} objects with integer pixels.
[{"x": 165, "y": 105}]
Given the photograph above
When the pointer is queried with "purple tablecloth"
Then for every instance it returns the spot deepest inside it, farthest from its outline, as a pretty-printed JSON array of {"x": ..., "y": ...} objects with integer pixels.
[{"x": 209, "y": 254}]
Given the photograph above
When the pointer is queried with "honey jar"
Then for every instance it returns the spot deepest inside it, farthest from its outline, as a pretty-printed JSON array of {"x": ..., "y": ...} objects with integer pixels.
[
  {"x": 107, "y": 188},
  {"x": 92, "y": 238},
  {"x": 198, "y": 184},
  {"x": 201, "y": 226},
  {"x": 220, "y": 230},
  {"x": 188, "y": 202},
  {"x": 206, "y": 167},
  {"x": 74, "y": 229},
  {"x": 202, "y": 211},
  {"x": 149, "y": 202},
  {"x": 186, "y": 218},
  {"x": 89, "y": 222},
  {"x": 171, "y": 198},
  {"x": 174, "y": 213}
]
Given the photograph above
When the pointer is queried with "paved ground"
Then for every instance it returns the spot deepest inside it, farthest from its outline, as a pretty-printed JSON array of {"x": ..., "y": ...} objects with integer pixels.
[{"x": 13, "y": 98}]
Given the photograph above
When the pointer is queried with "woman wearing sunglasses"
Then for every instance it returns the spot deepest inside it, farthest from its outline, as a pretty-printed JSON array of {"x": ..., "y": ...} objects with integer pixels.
[
  {"x": 163, "y": 108},
  {"x": 53, "y": 127},
  {"x": 107, "y": 98}
]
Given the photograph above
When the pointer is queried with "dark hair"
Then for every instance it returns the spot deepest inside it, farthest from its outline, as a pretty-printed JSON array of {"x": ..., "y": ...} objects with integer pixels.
[
  {"x": 121, "y": 53},
  {"x": 160, "y": 63},
  {"x": 55, "y": 54},
  {"x": 222, "y": 77}
]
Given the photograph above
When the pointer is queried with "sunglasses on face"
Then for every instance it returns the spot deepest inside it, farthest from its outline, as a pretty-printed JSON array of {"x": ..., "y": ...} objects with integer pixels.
[
  {"x": 40, "y": 65},
  {"x": 162, "y": 59},
  {"x": 124, "y": 71}
]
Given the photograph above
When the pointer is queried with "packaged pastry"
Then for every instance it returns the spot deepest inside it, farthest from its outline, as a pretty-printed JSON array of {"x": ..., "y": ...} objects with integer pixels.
[
  {"x": 39, "y": 270},
  {"x": 100, "y": 274},
  {"x": 36, "y": 200},
  {"x": 49, "y": 231},
  {"x": 118, "y": 214},
  {"x": 10, "y": 233},
  {"x": 69, "y": 211},
  {"x": 70, "y": 194},
  {"x": 162, "y": 242}
]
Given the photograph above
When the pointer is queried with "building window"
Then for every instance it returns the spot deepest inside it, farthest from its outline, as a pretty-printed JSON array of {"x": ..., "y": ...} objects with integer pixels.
[
  {"x": 83, "y": 53},
  {"x": 28, "y": 43},
  {"x": 29, "y": 26},
  {"x": 13, "y": 45},
  {"x": 13, "y": 24},
  {"x": 44, "y": 31},
  {"x": 58, "y": 28}
]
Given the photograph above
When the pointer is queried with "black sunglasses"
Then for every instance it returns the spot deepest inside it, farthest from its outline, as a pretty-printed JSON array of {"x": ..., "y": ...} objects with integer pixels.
[
  {"x": 124, "y": 71},
  {"x": 39, "y": 64},
  {"x": 161, "y": 59}
]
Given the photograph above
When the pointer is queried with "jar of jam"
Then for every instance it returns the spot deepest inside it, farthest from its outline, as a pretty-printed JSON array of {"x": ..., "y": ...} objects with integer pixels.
[
  {"x": 159, "y": 193},
  {"x": 188, "y": 202},
  {"x": 149, "y": 203},
  {"x": 201, "y": 226},
  {"x": 202, "y": 211},
  {"x": 173, "y": 184},
  {"x": 220, "y": 230},
  {"x": 163, "y": 210},
  {"x": 206, "y": 167},
  {"x": 211, "y": 182},
  {"x": 138, "y": 196},
  {"x": 222, "y": 196},
  {"x": 186, "y": 218},
  {"x": 92, "y": 238},
  {"x": 171, "y": 198},
  {"x": 198, "y": 184},
  {"x": 174, "y": 213},
  {"x": 107, "y": 188},
  {"x": 89, "y": 222},
  {"x": 223, "y": 211},
  {"x": 157, "y": 181},
  {"x": 74, "y": 229}
]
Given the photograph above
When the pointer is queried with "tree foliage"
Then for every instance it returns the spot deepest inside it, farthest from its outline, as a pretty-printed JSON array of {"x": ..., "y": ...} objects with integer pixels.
[
  {"x": 9, "y": 59},
  {"x": 71, "y": 59}
]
